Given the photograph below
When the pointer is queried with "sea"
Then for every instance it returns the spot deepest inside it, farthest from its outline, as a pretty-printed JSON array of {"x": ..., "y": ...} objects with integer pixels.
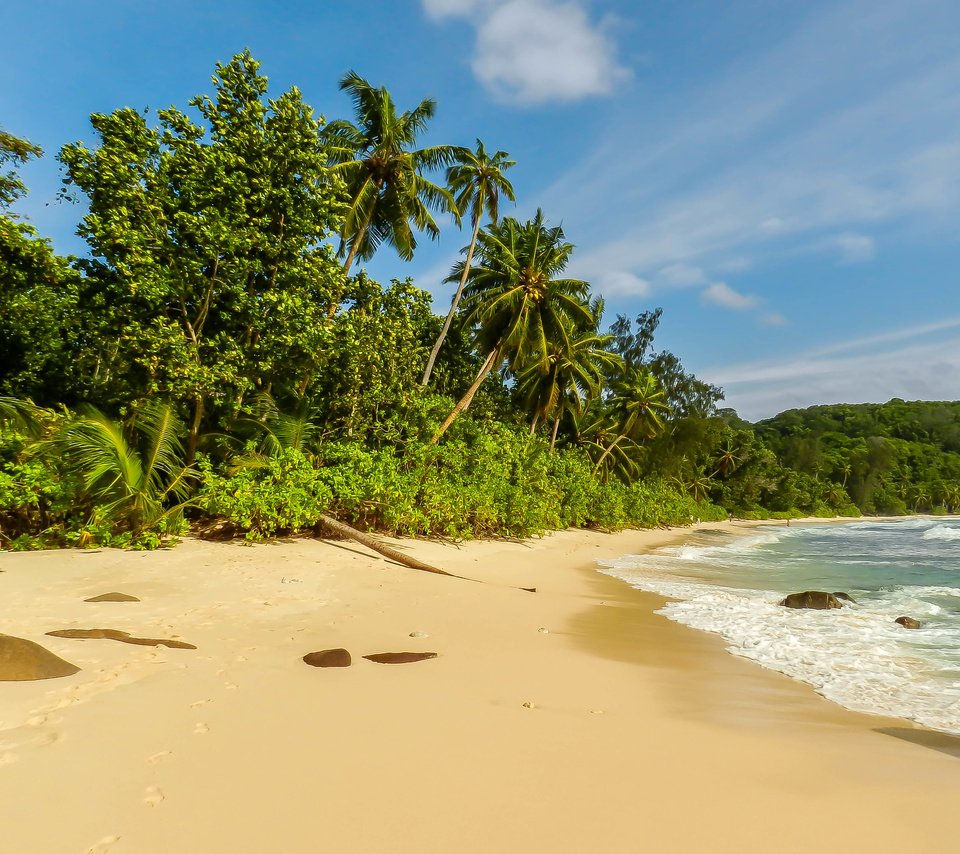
[{"x": 857, "y": 656}]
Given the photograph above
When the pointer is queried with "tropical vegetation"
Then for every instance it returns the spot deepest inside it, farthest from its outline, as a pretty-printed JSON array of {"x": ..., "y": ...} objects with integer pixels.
[{"x": 219, "y": 360}]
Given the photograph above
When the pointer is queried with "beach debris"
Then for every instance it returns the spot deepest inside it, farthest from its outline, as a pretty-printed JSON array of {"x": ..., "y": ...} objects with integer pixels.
[
  {"x": 815, "y": 599},
  {"x": 113, "y": 597},
  {"x": 528, "y": 705},
  {"x": 351, "y": 533},
  {"x": 543, "y": 631},
  {"x": 22, "y": 660},
  {"x": 418, "y": 635},
  {"x": 123, "y": 637},
  {"x": 908, "y": 622},
  {"x": 338, "y": 657},
  {"x": 399, "y": 657}
]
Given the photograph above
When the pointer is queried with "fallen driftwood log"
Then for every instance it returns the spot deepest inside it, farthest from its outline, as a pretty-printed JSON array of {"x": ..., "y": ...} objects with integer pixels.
[{"x": 376, "y": 545}]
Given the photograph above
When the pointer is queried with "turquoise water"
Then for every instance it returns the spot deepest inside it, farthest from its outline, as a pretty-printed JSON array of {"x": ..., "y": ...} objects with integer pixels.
[{"x": 857, "y": 656}]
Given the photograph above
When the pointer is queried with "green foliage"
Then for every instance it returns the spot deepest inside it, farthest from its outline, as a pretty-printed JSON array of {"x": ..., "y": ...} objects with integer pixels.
[
  {"x": 209, "y": 277},
  {"x": 265, "y": 495}
]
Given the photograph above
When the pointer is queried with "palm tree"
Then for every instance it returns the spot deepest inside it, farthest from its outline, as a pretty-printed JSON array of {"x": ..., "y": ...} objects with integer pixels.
[
  {"x": 477, "y": 180},
  {"x": 134, "y": 486},
  {"x": 519, "y": 311},
  {"x": 575, "y": 372},
  {"x": 639, "y": 405},
  {"x": 383, "y": 172}
]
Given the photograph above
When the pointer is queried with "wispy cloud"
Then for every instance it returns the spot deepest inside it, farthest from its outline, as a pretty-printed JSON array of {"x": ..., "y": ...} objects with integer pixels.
[
  {"x": 720, "y": 293},
  {"x": 534, "y": 51},
  {"x": 926, "y": 366},
  {"x": 850, "y": 124}
]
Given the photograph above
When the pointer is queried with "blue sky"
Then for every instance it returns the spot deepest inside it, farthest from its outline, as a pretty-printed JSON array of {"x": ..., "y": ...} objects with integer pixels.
[{"x": 783, "y": 178}]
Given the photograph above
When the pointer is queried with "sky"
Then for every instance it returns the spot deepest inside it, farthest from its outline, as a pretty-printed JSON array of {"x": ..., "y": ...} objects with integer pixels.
[{"x": 782, "y": 177}]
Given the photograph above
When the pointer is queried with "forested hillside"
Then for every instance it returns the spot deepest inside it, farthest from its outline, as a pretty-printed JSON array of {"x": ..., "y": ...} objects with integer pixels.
[{"x": 219, "y": 358}]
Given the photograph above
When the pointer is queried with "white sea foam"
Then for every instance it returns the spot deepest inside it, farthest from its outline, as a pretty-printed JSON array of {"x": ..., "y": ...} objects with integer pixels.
[
  {"x": 857, "y": 656},
  {"x": 942, "y": 532}
]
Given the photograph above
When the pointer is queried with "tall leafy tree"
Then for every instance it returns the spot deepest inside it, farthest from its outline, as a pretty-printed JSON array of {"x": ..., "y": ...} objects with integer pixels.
[
  {"x": 377, "y": 159},
  {"x": 38, "y": 295},
  {"x": 477, "y": 182},
  {"x": 210, "y": 272},
  {"x": 517, "y": 307}
]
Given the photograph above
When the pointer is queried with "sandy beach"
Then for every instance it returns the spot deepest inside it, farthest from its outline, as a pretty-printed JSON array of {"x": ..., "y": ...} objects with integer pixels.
[{"x": 573, "y": 719}]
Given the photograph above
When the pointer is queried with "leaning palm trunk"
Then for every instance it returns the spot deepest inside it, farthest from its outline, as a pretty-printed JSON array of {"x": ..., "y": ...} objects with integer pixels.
[
  {"x": 377, "y": 546},
  {"x": 488, "y": 365},
  {"x": 608, "y": 451},
  {"x": 453, "y": 306}
]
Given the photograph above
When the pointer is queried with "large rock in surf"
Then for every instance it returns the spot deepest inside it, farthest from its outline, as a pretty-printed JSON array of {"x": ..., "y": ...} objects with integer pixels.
[
  {"x": 328, "y": 658},
  {"x": 908, "y": 622},
  {"x": 815, "y": 599},
  {"x": 22, "y": 660},
  {"x": 846, "y": 597}
]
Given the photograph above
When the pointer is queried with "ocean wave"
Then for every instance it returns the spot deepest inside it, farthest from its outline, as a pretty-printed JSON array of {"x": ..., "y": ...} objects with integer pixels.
[
  {"x": 942, "y": 532},
  {"x": 857, "y": 656}
]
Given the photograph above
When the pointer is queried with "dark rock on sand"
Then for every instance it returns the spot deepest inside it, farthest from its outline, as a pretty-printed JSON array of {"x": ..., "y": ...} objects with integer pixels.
[
  {"x": 328, "y": 658},
  {"x": 22, "y": 660},
  {"x": 123, "y": 637},
  {"x": 908, "y": 622},
  {"x": 113, "y": 597},
  {"x": 815, "y": 599},
  {"x": 399, "y": 657}
]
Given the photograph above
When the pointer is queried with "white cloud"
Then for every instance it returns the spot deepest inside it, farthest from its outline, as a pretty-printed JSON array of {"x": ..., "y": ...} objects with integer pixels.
[
  {"x": 534, "y": 51},
  {"x": 785, "y": 155},
  {"x": 681, "y": 275},
  {"x": 621, "y": 283},
  {"x": 439, "y": 9},
  {"x": 855, "y": 248},
  {"x": 773, "y": 318},
  {"x": 722, "y": 294}
]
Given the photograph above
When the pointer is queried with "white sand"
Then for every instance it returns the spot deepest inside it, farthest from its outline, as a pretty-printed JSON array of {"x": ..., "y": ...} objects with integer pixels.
[{"x": 643, "y": 735}]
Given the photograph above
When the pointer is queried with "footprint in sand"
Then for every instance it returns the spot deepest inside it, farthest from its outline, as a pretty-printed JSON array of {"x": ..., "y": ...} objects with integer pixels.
[
  {"x": 153, "y": 796},
  {"x": 103, "y": 845},
  {"x": 201, "y": 728},
  {"x": 158, "y": 757},
  {"x": 8, "y": 758}
]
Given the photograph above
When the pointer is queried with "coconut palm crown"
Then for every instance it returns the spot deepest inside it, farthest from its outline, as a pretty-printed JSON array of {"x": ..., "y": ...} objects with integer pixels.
[{"x": 383, "y": 171}]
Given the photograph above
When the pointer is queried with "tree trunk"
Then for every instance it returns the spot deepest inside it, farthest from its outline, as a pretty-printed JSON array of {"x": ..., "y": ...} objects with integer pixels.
[
  {"x": 533, "y": 423},
  {"x": 606, "y": 453},
  {"x": 193, "y": 438},
  {"x": 377, "y": 546},
  {"x": 465, "y": 400},
  {"x": 453, "y": 307},
  {"x": 553, "y": 435}
]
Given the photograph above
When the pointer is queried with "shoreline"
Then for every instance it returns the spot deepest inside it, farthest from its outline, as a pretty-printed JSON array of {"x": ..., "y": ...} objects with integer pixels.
[{"x": 635, "y": 723}]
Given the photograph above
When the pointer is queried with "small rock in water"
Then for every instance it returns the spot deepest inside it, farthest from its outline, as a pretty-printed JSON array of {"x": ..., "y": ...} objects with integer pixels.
[
  {"x": 908, "y": 622},
  {"x": 419, "y": 635},
  {"x": 328, "y": 658},
  {"x": 543, "y": 631}
]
